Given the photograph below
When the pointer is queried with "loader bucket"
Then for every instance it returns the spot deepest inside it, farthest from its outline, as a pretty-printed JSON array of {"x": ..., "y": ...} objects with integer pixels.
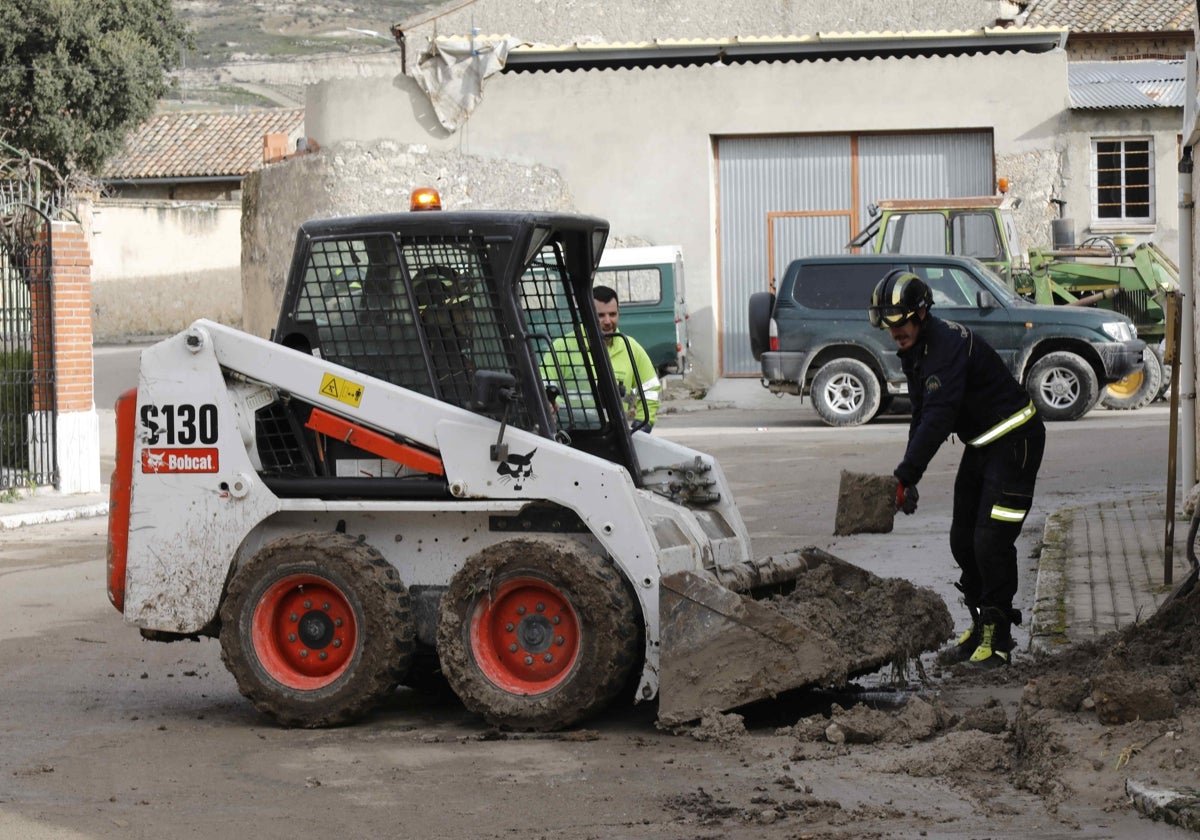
[{"x": 721, "y": 648}]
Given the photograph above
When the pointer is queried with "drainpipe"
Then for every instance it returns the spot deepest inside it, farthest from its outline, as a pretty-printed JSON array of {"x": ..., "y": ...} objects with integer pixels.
[
  {"x": 1187, "y": 276},
  {"x": 1187, "y": 342}
]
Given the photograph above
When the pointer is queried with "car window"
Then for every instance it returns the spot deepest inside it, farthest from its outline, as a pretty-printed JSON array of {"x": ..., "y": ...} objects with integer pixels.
[
  {"x": 837, "y": 285},
  {"x": 951, "y": 286},
  {"x": 634, "y": 286}
]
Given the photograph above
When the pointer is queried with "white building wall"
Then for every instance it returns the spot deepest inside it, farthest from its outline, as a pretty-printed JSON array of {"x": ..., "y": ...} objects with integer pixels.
[
  {"x": 1163, "y": 125},
  {"x": 159, "y": 265},
  {"x": 636, "y": 147}
]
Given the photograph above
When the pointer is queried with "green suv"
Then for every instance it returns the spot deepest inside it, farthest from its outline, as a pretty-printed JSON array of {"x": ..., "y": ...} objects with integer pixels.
[{"x": 813, "y": 338}]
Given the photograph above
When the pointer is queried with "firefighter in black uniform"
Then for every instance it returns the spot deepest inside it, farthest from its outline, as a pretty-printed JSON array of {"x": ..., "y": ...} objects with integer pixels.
[{"x": 959, "y": 385}]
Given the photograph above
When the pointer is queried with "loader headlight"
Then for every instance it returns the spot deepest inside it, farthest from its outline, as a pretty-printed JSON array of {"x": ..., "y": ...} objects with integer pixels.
[{"x": 1119, "y": 330}]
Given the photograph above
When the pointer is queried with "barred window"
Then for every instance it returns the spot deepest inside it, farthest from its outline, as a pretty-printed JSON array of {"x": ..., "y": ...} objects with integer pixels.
[{"x": 1123, "y": 180}]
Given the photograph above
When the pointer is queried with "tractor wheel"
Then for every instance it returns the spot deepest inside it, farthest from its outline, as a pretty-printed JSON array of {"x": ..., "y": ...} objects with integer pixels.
[
  {"x": 1165, "y": 389},
  {"x": 845, "y": 392},
  {"x": 537, "y": 633},
  {"x": 316, "y": 629},
  {"x": 1062, "y": 386},
  {"x": 1139, "y": 388}
]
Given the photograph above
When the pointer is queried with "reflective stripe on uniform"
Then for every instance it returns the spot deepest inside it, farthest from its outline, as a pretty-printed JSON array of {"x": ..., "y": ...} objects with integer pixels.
[
  {"x": 1005, "y": 426},
  {"x": 651, "y": 387},
  {"x": 1008, "y": 514}
]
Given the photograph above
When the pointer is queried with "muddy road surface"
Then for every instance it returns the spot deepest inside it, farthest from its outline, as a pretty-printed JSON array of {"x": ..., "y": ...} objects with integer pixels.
[{"x": 109, "y": 736}]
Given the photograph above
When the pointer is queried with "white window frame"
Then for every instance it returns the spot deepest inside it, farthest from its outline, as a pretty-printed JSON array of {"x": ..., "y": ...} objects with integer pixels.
[{"x": 1124, "y": 219}]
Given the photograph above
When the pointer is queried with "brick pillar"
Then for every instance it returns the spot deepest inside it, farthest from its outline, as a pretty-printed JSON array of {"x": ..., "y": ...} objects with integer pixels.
[
  {"x": 72, "y": 318},
  {"x": 77, "y": 431}
]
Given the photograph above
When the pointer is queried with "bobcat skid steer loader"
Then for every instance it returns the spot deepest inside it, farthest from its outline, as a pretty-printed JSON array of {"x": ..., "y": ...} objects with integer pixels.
[{"x": 431, "y": 455}]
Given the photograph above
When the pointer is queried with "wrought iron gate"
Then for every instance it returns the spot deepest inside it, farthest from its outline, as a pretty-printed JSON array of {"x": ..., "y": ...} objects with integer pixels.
[{"x": 28, "y": 455}]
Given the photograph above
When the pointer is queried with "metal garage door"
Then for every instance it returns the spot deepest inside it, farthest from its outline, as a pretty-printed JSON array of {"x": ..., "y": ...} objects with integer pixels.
[{"x": 787, "y": 197}]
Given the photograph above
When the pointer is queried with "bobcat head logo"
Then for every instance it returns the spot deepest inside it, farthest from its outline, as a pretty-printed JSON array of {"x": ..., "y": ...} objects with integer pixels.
[
  {"x": 155, "y": 461},
  {"x": 517, "y": 469}
]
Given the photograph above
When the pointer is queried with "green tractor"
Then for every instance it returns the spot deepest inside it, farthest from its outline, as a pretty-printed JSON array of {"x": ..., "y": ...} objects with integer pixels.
[{"x": 1108, "y": 272}]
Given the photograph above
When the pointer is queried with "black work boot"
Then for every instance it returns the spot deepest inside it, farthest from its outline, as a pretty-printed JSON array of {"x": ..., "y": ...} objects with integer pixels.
[
  {"x": 965, "y": 644},
  {"x": 995, "y": 639}
]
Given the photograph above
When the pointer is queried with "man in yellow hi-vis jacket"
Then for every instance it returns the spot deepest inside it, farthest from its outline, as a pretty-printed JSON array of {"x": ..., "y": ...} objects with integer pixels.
[{"x": 630, "y": 362}]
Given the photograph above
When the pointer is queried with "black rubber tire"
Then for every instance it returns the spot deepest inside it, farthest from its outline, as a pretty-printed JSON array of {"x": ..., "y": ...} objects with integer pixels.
[
  {"x": 358, "y": 581},
  {"x": 1062, "y": 386},
  {"x": 1137, "y": 390},
  {"x": 846, "y": 392},
  {"x": 762, "y": 304},
  {"x": 1165, "y": 389},
  {"x": 601, "y": 609}
]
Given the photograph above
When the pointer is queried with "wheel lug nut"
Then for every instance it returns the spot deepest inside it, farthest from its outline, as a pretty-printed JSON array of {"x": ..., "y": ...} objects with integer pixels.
[
  {"x": 326, "y": 607},
  {"x": 528, "y": 660},
  {"x": 540, "y": 607},
  {"x": 337, "y": 622},
  {"x": 549, "y": 657},
  {"x": 304, "y": 654},
  {"x": 308, "y": 605},
  {"x": 521, "y": 610},
  {"x": 322, "y": 655},
  {"x": 509, "y": 627},
  {"x": 512, "y": 648},
  {"x": 556, "y": 620},
  {"x": 291, "y": 637},
  {"x": 293, "y": 617},
  {"x": 337, "y": 643},
  {"x": 560, "y": 641}
]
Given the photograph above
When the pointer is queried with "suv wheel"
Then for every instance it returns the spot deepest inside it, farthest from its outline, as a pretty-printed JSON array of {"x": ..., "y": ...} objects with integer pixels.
[
  {"x": 1062, "y": 386},
  {"x": 845, "y": 392}
]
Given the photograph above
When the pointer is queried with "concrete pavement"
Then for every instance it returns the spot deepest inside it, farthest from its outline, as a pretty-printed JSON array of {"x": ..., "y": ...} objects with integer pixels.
[{"x": 1101, "y": 567}]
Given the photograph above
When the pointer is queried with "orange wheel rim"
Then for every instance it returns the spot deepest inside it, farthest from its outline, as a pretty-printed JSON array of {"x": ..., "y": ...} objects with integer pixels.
[
  {"x": 304, "y": 631},
  {"x": 526, "y": 637}
]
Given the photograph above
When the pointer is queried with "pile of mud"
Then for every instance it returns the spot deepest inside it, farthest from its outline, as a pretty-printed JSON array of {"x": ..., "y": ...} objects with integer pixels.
[
  {"x": 874, "y": 621},
  {"x": 722, "y": 649},
  {"x": 1143, "y": 671}
]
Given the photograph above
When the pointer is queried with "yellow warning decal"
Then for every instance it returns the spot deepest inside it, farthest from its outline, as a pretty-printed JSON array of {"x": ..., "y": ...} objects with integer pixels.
[{"x": 342, "y": 390}]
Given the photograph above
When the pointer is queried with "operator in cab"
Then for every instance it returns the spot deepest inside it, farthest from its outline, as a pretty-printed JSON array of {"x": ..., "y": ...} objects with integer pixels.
[{"x": 636, "y": 376}]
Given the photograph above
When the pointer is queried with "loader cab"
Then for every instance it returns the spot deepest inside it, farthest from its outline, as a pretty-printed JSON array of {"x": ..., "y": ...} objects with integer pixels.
[{"x": 427, "y": 300}]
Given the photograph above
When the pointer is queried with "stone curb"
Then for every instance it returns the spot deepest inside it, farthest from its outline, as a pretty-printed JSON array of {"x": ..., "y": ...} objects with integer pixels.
[
  {"x": 46, "y": 517},
  {"x": 1048, "y": 629}
]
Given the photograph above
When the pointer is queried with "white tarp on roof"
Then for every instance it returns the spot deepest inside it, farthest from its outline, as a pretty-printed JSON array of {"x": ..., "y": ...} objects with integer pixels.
[{"x": 452, "y": 70}]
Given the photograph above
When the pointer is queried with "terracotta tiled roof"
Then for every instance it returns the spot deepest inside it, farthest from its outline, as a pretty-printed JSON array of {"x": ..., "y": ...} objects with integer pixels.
[
  {"x": 195, "y": 144},
  {"x": 1114, "y": 15}
]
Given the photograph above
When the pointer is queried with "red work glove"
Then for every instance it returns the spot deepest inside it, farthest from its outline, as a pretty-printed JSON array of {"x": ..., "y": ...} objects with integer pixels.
[{"x": 906, "y": 497}]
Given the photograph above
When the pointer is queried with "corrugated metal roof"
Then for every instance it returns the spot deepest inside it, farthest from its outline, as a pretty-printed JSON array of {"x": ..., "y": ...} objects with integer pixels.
[
  {"x": 1001, "y": 33},
  {"x": 1126, "y": 84},
  {"x": 532, "y": 56},
  {"x": 198, "y": 144},
  {"x": 1098, "y": 16}
]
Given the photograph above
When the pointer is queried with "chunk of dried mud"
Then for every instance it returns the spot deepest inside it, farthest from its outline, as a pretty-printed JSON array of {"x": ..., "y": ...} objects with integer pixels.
[{"x": 718, "y": 727}]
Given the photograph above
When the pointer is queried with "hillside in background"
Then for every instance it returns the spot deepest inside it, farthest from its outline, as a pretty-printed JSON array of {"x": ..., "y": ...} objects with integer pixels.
[{"x": 233, "y": 32}]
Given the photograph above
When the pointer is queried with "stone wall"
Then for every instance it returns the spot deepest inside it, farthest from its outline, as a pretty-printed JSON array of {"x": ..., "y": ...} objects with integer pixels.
[{"x": 352, "y": 179}]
